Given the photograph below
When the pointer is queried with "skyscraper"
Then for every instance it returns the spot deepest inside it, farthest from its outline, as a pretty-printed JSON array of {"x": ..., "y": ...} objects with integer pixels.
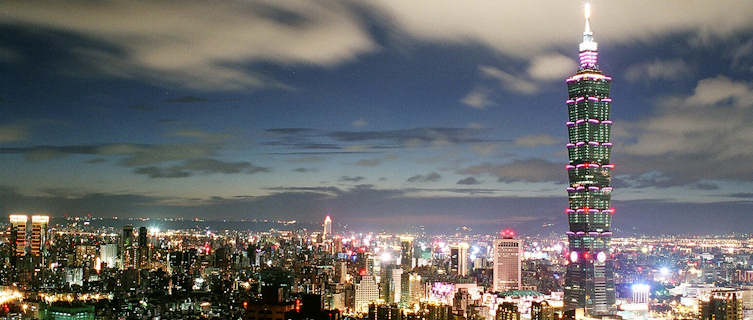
[
  {"x": 507, "y": 252},
  {"x": 367, "y": 291},
  {"x": 108, "y": 254},
  {"x": 18, "y": 234},
  {"x": 459, "y": 259},
  {"x": 143, "y": 258},
  {"x": 327, "y": 228},
  {"x": 38, "y": 237},
  {"x": 126, "y": 247},
  {"x": 589, "y": 282},
  {"x": 722, "y": 305},
  {"x": 406, "y": 253}
]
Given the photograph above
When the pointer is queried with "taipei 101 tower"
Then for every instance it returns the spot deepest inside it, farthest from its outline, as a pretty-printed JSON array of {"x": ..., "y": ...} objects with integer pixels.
[{"x": 589, "y": 282}]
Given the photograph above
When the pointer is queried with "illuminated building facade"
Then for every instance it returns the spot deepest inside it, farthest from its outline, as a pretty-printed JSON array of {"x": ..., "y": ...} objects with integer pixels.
[
  {"x": 126, "y": 248},
  {"x": 722, "y": 305},
  {"x": 367, "y": 291},
  {"x": 18, "y": 234},
  {"x": 589, "y": 282},
  {"x": 406, "y": 253},
  {"x": 143, "y": 241},
  {"x": 327, "y": 228},
  {"x": 459, "y": 259},
  {"x": 507, "y": 265},
  {"x": 38, "y": 238}
]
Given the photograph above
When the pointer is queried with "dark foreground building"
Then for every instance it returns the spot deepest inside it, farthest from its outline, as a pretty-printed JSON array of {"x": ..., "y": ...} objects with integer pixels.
[{"x": 589, "y": 282}]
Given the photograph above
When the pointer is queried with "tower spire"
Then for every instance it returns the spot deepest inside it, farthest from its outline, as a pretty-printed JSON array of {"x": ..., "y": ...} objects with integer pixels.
[
  {"x": 589, "y": 47},
  {"x": 587, "y": 30}
]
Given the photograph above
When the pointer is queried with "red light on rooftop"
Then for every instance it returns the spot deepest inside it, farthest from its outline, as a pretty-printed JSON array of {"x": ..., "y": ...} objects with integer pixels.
[{"x": 507, "y": 233}]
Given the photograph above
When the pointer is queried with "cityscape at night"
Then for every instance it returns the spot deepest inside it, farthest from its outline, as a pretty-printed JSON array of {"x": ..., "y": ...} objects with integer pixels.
[{"x": 378, "y": 160}]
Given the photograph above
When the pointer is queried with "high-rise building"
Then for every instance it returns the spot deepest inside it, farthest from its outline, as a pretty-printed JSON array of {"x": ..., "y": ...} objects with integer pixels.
[
  {"x": 459, "y": 259},
  {"x": 541, "y": 310},
  {"x": 18, "y": 234},
  {"x": 416, "y": 289},
  {"x": 406, "y": 253},
  {"x": 108, "y": 255},
  {"x": 327, "y": 228},
  {"x": 143, "y": 242},
  {"x": 126, "y": 247},
  {"x": 507, "y": 265},
  {"x": 367, "y": 291},
  {"x": 722, "y": 305},
  {"x": 507, "y": 311},
  {"x": 589, "y": 282},
  {"x": 38, "y": 236},
  {"x": 640, "y": 292}
]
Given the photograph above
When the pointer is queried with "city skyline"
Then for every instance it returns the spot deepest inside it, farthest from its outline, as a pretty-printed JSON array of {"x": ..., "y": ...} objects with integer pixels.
[{"x": 370, "y": 113}]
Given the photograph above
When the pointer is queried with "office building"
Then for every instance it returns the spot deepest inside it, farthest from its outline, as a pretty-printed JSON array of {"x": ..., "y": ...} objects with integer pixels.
[
  {"x": 143, "y": 250},
  {"x": 722, "y": 305},
  {"x": 459, "y": 259},
  {"x": 126, "y": 248},
  {"x": 327, "y": 232},
  {"x": 108, "y": 255},
  {"x": 367, "y": 291},
  {"x": 589, "y": 281},
  {"x": 39, "y": 225},
  {"x": 406, "y": 253},
  {"x": 507, "y": 311},
  {"x": 541, "y": 310},
  {"x": 507, "y": 266},
  {"x": 18, "y": 234}
]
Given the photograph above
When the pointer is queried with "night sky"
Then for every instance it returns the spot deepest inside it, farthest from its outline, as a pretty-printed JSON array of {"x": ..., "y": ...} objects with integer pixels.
[{"x": 384, "y": 113}]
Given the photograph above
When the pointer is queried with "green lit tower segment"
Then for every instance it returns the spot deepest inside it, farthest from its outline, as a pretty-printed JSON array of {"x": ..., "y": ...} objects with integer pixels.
[{"x": 589, "y": 282}]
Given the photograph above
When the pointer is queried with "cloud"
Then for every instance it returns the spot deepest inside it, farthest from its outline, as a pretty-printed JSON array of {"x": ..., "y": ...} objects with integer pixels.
[
  {"x": 369, "y": 162},
  {"x": 305, "y": 170},
  {"x": 143, "y": 107},
  {"x": 202, "y": 45},
  {"x": 215, "y": 45},
  {"x": 704, "y": 186},
  {"x": 705, "y": 135},
  {"x": 533, "y": 31},
  {"x": 8, "y": 56},
  {"x": 351, "y": 179},
  {"x": 359, "y": 123},
  {"x": 551, "y": 67},
  {"x": 469, "y": 181},
  {"x": 478, "y": 98},
  {"x": 422, "y": 178},
  {"x": 133, "y": 155},
  {"x": 201, "y": 135},
  {"x": 536, "y": 140},
  {"x": 371, "y": 141},
  {"x": 508, "y": 81},
  {"x": 96, "y": 160},
  {"x": 200, "y": 166},
  {"x": 157, "y": 172},
  {"x": 186, "y": 99},
  {"x": 741, "y": 195},
  {"x": 657, "y": 70},
  {"x": 741, "y": 56},
  {"x": 484, "y": 148},
  {"x": 531, "y": 170},
  {"x": 720, "y": 90},
  {"x": 373, "y": 162},
  {"x": 13, "y": 133}
]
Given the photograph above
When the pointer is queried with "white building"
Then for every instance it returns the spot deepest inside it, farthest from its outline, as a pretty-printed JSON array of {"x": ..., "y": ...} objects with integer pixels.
[
  {"x": 108, "y": 255},
  {"x": 367, "y": 291},
  {"x": 507, "y": 254}
]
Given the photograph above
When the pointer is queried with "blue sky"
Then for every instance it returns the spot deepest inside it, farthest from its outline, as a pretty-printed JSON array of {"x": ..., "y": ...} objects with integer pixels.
[{"x": 387, "y": 113}]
